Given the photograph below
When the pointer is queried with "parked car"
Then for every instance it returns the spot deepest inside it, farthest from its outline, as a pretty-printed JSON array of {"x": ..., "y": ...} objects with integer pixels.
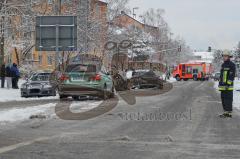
[
  {"x": 37, "y": 85},
  {"x": 145, "y": 79},
  {"x": 216, "y": 76},
  {"x": 85, "y": 80}
]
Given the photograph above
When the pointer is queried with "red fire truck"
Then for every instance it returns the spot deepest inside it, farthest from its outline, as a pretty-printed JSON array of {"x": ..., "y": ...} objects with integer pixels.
[{"x": 195, "y": 71}]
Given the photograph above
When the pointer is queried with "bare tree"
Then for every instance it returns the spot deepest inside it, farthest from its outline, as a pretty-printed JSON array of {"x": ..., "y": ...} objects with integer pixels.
[
  {"x": 163, "y": 43},
  {"x": 115, "y": 7},
  {"x": 217, "y": 61}
]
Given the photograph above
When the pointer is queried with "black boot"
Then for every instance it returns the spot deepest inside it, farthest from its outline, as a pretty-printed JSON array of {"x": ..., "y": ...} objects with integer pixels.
[{"x": 226, "y": 115}]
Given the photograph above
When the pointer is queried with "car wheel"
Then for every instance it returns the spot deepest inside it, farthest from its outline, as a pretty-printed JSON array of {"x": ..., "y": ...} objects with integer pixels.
[
  {"x": 178, "y": 78},
  {"x": 112, "y": 94},
  {"x": 105, "y": 93},
  {"x": 53, "y": 93},
  {"x": 195, "y": 78},
  {"x": 160, "y": 86},
  {"x": 62, "y": 96},
  {"x": 75, "y": 97}
]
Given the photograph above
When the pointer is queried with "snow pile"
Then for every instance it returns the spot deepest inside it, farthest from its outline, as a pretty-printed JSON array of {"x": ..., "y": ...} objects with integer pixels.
[
  {"x": 21, "y": 114},
  {"x": 172, "y": 80},
  {"x": 46, "y": 111},
  {"x": 236, "y": 97}
]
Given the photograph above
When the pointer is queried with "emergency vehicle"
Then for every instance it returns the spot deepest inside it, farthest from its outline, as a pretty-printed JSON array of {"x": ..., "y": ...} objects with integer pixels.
[{"x": 195, "y": 71}]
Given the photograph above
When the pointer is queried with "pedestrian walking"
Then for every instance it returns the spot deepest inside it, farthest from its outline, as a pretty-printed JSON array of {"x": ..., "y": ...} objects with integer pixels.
[
  {"x": 9, "y": 77},
  {"x": 226, "y": 82},
  {"x": 16, "y": 76},
  {"x": 2, "y": 75}
]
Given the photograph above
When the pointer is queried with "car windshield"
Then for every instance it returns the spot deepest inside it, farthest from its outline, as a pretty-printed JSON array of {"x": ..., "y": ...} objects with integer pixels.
[
  {"x": 79, "y": 68},
  {"x": 40, "y": 77}
]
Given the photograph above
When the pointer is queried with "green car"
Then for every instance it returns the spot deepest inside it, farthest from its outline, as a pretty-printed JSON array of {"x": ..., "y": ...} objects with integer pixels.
[{"x": 85, "y": 80}]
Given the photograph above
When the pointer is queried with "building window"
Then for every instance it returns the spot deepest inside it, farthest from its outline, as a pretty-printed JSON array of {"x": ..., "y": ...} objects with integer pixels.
[
  {"x": 50, "y": 60},
  {"x": 189, "y": 70},
  {"x": 40, "y": 59}
]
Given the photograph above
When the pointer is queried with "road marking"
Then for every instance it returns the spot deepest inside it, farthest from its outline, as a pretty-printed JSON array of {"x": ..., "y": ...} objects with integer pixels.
[
  {"x": 26, "y": 143},
  {"x": 22, "y": 144}
]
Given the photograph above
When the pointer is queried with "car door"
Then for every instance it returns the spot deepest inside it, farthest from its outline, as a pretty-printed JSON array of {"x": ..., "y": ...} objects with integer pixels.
[
  {"x": 150, "y": 78},
  {"x": 183, "y": 70}
]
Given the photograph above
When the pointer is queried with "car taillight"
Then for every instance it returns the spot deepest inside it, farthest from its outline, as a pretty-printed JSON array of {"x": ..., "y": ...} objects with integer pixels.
[
  {"x": 64, "y": 78},
  {"x": 97, "y": 77}
]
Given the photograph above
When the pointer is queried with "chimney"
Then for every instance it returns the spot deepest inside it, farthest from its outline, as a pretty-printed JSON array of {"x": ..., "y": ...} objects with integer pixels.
[{"x": 122, "y": 12}]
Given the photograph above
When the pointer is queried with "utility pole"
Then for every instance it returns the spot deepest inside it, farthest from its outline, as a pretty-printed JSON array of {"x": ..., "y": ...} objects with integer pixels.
[
  {"x": 134, "y": 16},
  {"x": 2, "y": 54},
  {"x": 59, "y": 7},
  {"x": 2, "y": 32},
  {"x": 57, "y": 53},
  {"x": 83, "y": 24}
]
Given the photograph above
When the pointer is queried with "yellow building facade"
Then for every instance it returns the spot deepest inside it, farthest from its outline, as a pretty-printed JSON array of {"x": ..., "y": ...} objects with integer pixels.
[{"x": 46, "y": 60}]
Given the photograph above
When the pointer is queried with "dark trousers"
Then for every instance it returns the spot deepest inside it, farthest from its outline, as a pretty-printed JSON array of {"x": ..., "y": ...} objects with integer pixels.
[
  {"x": 2, "y": 82},
  {"x": 15, "y": 82},
  {"x": 227, "y": 100}
]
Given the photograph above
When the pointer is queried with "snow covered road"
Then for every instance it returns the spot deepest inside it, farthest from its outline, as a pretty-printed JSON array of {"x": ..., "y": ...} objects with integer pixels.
[{"x": 201, "y": 134}]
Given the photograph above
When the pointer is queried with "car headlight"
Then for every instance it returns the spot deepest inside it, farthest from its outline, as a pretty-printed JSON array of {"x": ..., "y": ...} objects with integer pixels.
[{"x": 29, "y": 86}]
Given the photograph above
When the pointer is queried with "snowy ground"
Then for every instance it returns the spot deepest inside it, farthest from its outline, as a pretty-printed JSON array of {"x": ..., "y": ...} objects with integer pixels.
[
  {"x": 172, "y": 80},
  {"x": 47, "y": 111},
  {"x": 7, "y": 95},
  {"x": 236, "y": 94}
]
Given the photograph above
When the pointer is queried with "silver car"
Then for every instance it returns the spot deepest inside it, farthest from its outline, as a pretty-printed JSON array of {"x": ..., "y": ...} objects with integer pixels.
[{"x": 38, "y": 85}]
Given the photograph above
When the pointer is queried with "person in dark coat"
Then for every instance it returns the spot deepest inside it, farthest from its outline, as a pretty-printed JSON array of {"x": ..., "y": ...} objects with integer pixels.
[
  {"x": 226, "y": 82},
  {"x": 2, "y": 75},
  {"x": 9, "y": 76},
  {"x": 15, "y": 76}
]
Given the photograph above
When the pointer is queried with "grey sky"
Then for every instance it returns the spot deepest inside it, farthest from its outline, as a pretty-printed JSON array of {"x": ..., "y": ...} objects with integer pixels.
[{"x": 201, "y": 23}]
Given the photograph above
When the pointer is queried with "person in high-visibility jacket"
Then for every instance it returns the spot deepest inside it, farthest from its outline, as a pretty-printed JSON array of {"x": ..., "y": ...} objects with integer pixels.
[{"x": 226, "y": 84}]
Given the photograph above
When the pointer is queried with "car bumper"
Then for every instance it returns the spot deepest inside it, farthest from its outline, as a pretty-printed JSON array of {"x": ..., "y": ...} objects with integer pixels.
[
  {"x": 37, "y": 92},
  {"x": 75, "y": 90}
]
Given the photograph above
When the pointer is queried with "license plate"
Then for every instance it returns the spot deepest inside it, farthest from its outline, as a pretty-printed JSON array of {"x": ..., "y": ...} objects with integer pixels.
[
  {"x": 77, "y": 79},
  {"x": 35, "y": 86}
]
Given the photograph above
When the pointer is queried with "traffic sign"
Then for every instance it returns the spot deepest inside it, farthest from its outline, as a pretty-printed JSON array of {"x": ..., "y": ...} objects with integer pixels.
[{"x": 56, "y": 33}]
